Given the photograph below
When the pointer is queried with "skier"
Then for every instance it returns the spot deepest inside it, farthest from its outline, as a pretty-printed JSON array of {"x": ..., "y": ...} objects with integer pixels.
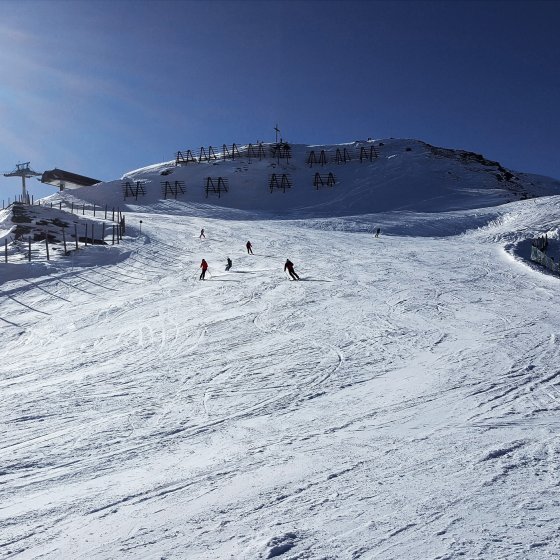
[
  {"x": 229, "y": 263},
  {"x": 202, "y": 236},
  {"x": 249, "y": 248},
  {"x": 289, "y": 266},
  {"x": 377, "y": 232},
  {"x": 204, "y": 266}
]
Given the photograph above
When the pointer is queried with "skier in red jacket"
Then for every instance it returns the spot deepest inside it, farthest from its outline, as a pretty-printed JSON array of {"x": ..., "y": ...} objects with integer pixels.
[
  {"x": 289, "y": 266},
  {"x": 204, "y": 266}
]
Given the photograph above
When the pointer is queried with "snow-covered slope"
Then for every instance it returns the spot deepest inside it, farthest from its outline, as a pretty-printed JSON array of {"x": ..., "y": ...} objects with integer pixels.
[
  {"x": 407, "y": 175},
  {"x": 401, "y": 401}
]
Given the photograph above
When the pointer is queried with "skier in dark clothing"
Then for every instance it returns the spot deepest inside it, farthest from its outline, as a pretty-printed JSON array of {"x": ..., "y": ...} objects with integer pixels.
[
  {"x": 204, "y": 266},
  {"x": 202, "y": 236},
  {"x": 229, "y": 263},
  {"x": 289, "y": 266},
  {"x": 249, "y": 248},
  {"x": 377, "y": 232}
]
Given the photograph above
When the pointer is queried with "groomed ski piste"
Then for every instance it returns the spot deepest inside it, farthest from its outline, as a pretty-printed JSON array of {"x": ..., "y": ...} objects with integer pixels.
[{"x": 401, "y": 401}]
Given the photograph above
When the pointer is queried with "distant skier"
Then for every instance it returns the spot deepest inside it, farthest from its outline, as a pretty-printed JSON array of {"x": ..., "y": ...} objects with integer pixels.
[
  {"x": 229, "y": 263},
  {"x": 289, "y": 266},
  {"x": 202, "y": 236},
  {"x": 377, "y": 232},
  {"x": 204, "y": 266},
  {"x": 249, "y": 248}
]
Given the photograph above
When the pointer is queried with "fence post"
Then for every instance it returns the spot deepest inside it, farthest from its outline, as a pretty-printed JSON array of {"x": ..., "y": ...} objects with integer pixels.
[
  {"x": 60, "y": 205},
  {"x": 72, "y": 208},
  {"x": 47, "y": 242},
  {"x": 83, "y": 209},
  {"x": 103, "y": 232},
  {"x": 105, "y": 211},
  {"x": 94, "y": 210},
  {"x": 113, "y": 235},
  {"x": 113, "y": 213},
  {"x": 92, "y": 235},
  {"x": 76, "y": 234},
  {"x": 64, "y": 238},
  {"x": 6, "y": 249}
]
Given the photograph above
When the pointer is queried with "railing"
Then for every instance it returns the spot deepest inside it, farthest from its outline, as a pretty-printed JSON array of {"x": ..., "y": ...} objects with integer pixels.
[{"x": 55, "y": 233}]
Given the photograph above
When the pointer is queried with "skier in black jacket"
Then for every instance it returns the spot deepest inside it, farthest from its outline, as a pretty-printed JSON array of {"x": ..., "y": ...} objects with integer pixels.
[{"x": 289, "y": 266}]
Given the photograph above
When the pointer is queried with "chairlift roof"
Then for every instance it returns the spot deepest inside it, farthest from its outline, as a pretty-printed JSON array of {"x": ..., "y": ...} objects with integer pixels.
[{"x": 56, "y": 176}]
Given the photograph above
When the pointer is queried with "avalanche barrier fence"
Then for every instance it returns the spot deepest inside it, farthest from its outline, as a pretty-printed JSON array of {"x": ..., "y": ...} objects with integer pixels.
[{"x": 548, "y": 262}]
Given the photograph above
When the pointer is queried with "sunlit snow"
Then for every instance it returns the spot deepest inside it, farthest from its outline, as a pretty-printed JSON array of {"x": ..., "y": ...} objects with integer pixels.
[{"x": 401, "y": 401}]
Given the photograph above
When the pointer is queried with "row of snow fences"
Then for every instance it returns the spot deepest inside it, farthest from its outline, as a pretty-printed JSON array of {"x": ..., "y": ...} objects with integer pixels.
[
  {"x": 341, "y": 155},
  {"x": 548, "y": 262},
  {"x": 91, "y": 234},
  {"x": 208, "y": 154},
  {"x": 278, "y": 151},
  {"x": 219, "y": 185}
]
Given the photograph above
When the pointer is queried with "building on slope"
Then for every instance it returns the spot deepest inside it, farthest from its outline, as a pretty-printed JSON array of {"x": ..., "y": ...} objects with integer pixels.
[{"x": 66, "y": 179}]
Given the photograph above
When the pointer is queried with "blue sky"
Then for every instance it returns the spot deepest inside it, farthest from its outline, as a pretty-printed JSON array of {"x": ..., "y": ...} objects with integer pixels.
[{"x": 102, "y": 87}]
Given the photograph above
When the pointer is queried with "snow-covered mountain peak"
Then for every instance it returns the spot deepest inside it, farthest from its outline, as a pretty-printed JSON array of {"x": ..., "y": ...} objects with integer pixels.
[{"x": 326, "y": 180}]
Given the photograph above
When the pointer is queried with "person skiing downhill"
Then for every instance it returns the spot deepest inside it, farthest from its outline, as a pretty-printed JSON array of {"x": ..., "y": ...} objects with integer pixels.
[
  {"x": 249, "y": 248},
  {"x": 289, "y": 266},
  {"x": 229, "y": 263},
  {"x": 204, "y": 266},
  {"x": 377, "y": 232},
  {"x": 202, "y": 236}
]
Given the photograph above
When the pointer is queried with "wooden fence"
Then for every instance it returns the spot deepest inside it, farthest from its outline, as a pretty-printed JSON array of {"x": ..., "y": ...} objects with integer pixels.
[
  {"x": 68, "y": 237},
  {"x": 542, "y": 258}
]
